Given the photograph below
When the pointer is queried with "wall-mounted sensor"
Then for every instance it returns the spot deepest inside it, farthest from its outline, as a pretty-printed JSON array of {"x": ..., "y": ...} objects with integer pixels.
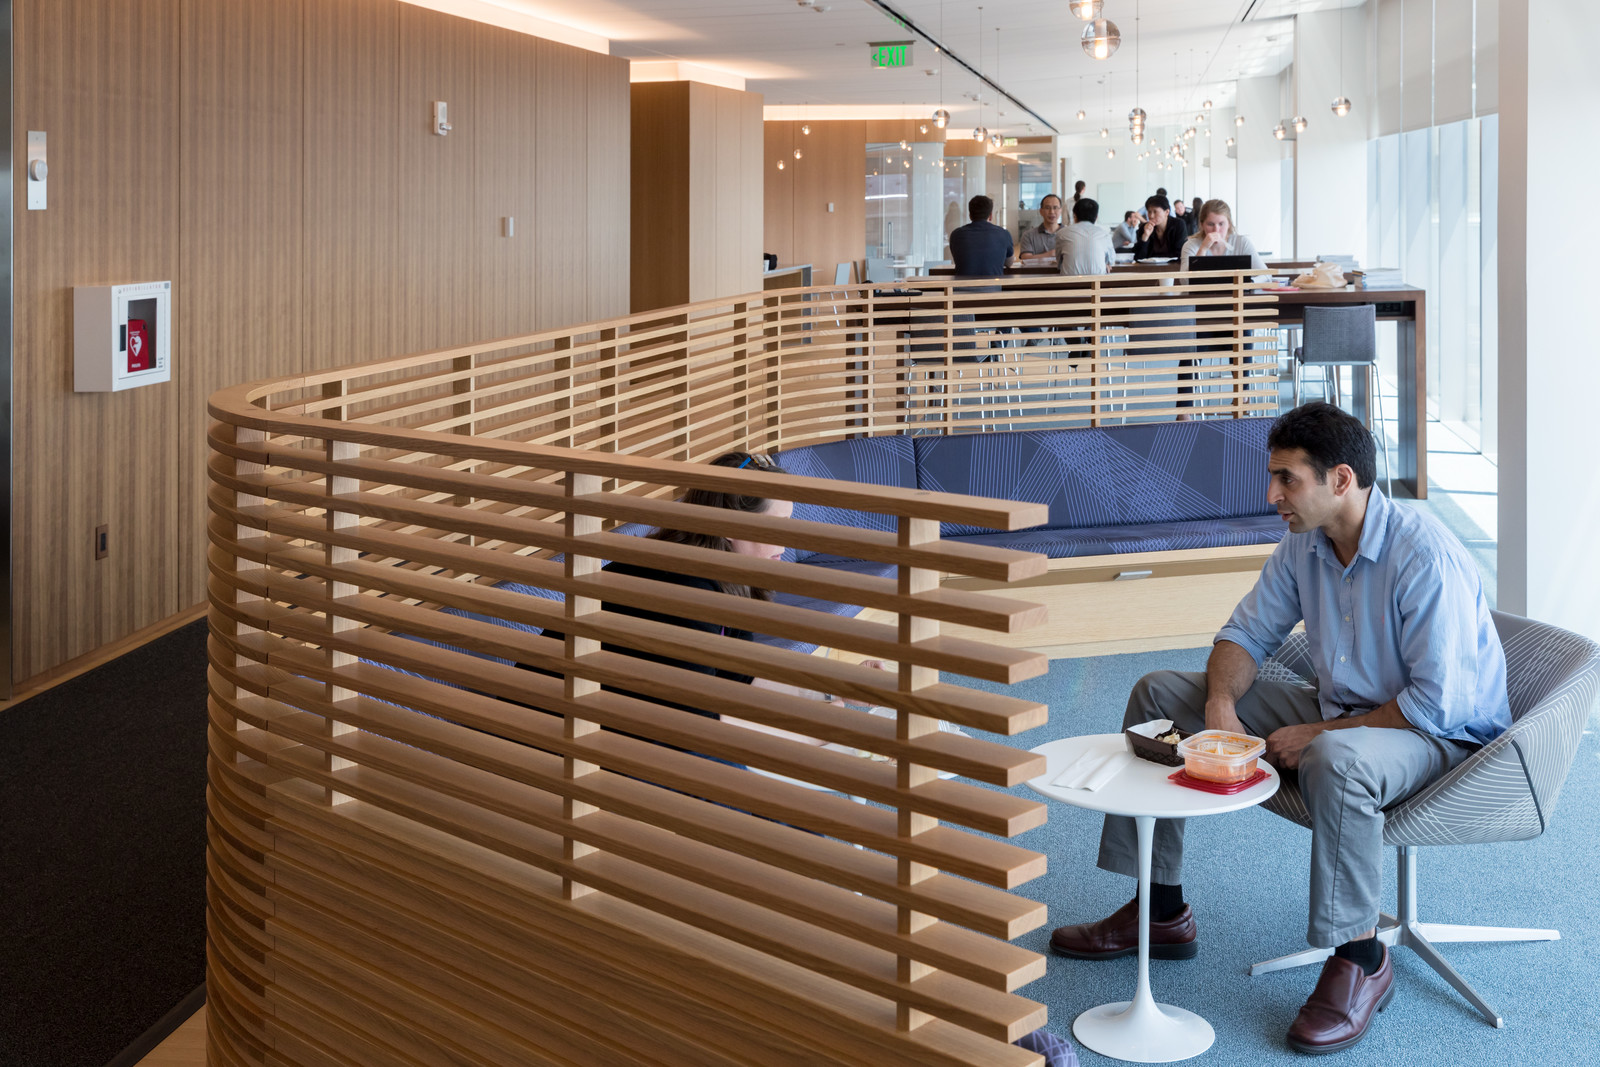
[
  {"x": 441, "y": 118},
  {"x": 38, "y": 171}
]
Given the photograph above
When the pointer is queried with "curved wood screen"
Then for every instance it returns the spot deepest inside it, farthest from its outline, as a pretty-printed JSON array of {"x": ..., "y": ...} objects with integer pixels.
[{"x": 423, "y": 853}]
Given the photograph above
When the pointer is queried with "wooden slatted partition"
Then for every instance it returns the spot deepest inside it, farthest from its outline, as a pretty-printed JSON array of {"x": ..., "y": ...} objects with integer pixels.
[{"x": 456, "y": 821}]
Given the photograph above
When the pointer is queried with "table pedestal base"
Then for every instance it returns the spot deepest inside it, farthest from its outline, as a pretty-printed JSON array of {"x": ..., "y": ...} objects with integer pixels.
[{"x": 1143, "y": 1032}]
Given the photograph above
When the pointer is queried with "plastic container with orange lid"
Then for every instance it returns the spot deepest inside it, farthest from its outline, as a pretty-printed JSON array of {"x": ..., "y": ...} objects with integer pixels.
[{"x": 1220, "y": 755}]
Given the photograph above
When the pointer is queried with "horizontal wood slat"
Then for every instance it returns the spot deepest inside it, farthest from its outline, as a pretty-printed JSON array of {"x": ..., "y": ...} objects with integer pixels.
[{"x": 440, "y": 836}]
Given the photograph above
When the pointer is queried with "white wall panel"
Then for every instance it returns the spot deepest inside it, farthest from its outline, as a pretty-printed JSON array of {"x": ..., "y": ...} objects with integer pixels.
[{"x": 1486, "y": 66}]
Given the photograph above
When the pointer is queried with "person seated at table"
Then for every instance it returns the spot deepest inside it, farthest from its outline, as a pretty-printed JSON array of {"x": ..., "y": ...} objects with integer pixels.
[
  {"x": 1126, "y": 235},
  {"x": 1217, "y": 237},
  {"x": 980, "y": 249},
  {"x": 1181, "y": 218},
  {"x": 1085, "y": 246},
  {"x": 1159, "y": 237},
  {"x": 1038, "y": 245},
  {"x": 1411, "y": 680}
]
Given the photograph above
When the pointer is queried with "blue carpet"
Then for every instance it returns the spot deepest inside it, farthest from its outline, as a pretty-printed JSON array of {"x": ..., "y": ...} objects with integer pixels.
[{"x": 1246, "y": 876}]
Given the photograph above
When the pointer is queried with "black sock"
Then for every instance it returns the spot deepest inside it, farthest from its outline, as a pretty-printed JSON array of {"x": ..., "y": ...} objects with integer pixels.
[
  {"x": 1368, "y": 952},
  {"x": 1166, "y": 901}
]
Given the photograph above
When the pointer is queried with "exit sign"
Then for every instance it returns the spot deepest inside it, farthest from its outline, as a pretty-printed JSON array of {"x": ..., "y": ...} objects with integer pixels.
[{"x": 891, "y": 53}]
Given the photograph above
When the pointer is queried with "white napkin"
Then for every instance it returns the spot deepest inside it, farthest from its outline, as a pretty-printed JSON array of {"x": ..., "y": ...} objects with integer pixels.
[{"x": 1092, "y": 770}]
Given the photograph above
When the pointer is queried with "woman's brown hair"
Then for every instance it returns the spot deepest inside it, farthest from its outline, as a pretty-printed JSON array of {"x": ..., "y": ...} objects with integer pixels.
[{"x": 740, "y": 502}]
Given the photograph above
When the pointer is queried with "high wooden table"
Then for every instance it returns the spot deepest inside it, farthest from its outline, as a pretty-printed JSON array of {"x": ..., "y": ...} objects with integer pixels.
[{"x": 1406, "y": 307}]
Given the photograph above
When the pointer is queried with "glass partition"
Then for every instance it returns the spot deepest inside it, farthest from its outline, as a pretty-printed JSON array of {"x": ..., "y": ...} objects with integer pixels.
[{"x": 905, "y": 209}]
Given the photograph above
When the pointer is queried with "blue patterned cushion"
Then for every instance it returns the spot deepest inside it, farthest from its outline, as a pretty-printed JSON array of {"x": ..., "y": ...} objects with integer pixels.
[
  {"x": 1147, "y": 537},
  {"x": 884, "y": 460},
  {"x": 1123, "y": 476}
]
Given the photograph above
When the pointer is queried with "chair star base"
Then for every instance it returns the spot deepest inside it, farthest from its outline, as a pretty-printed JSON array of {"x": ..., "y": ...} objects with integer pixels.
[{"x": 1419, "y": 937}]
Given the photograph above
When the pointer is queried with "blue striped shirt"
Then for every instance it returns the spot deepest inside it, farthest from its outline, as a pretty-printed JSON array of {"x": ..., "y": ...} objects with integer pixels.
[{"x": 1406, "y": 621}]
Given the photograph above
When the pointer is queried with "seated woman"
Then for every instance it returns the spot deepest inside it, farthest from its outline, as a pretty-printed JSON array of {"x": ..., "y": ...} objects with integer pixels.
[
  {"x": 1217, "y": 237},
  {"x": 1161, "y": 237},
  {"x": 736, "y": 502}
]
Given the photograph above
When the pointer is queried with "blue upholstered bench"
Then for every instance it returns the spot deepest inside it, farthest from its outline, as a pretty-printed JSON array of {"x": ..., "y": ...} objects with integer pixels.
[
  {"x": 1184, "y": 501},
  {"x": 1176, "y": 500}
]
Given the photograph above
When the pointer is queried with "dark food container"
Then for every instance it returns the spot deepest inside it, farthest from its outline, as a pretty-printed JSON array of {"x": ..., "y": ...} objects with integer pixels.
[{"x": 1147, "y": 748}]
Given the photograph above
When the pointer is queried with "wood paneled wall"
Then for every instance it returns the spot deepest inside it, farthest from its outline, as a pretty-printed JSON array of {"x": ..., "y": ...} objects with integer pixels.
[
  {"x": 697, "y": 193},
  {"x": 799, "y": 228},
  {"x": 274, "y": 159}
]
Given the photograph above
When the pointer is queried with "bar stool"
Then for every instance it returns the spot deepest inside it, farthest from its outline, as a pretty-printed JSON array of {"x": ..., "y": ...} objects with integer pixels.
[{"x": 1345, "y": 337}]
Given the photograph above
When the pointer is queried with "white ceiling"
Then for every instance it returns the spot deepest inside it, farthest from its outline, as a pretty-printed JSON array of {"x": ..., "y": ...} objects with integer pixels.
[{"x": 815, "y": 52}]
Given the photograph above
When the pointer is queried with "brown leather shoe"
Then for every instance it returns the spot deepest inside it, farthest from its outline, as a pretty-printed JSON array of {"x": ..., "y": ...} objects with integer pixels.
[
  {"x": 1340, "y": 1009},
  {"x": 1117, "y": 935}
]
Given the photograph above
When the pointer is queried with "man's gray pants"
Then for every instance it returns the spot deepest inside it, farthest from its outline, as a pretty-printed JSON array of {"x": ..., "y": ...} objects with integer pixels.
[{"x": 1347, "y": 778}]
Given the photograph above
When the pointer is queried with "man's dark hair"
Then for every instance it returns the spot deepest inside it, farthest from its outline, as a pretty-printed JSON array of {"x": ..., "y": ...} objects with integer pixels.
[
  {"x": 1126, "y": 215},
  {"x": 1161, "y": 190},
  {"x": 979, "y": 208},
  {"x": 1048, "y": 196},
  {"x": 1085, "y": 210},
  {"x": 1160, "y": 201},
  {"x": 1328, "y": 437}
]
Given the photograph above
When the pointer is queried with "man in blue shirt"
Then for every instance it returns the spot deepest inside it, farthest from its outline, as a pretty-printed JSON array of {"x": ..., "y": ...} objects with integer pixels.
[
  {"x": 1411, "y": 679},
  {"x": 980, "y": 249}
]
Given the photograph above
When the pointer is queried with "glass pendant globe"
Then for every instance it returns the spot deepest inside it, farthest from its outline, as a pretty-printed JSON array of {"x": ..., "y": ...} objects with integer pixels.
[
  {"x": 980, "y": 134},
  {"x": 1341, "y": 106},
  {"x": 1206, "y": 106},
  {"x": 797, "y": 153},
  {"x": 1230, "y": 142},
  {"x": 1104, "y": 132},
  {"x": 995, "y": 140},
  {"x": 1087, "y": 10},
  {"x": 923, "y": 128},
  {"x": 780, "y": 164},
  {"x": 1238, "y": 120},
  {"x": 1137, "y": 136},
  {"x": 1082, "y": 114},
  {"x": 941, "y": 118},
  {"x": 1299, "y": 123},
  {"x": 1101, "y": 39},
  {"x": 805, "y": 129},
  {"x": 904, "y": 145},
  {"x": 1111, "y": 153},
  {"x": 1279, "y": 132},
  {"x": 1137, "y": 116}
]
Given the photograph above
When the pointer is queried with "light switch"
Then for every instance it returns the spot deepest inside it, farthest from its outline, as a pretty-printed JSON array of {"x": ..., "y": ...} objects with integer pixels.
[
  {"x": 508, "y": 226},
  {"x": 830, "y": 207}
]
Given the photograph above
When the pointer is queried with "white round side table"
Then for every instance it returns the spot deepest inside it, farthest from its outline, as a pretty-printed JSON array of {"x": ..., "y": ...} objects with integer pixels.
[{"x": 1141, "y": 1030}]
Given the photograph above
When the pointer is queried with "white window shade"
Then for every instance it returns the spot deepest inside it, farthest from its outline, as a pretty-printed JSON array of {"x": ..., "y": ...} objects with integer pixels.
[
  {"x": 1452, "y": 62},
  {"x": 1416, "y": 55},
  {"x": 1486, "y": 62},
  {"x": 1387, "y": 68}
]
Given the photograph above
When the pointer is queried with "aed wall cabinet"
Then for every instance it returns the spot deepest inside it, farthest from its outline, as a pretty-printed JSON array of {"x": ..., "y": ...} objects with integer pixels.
[{"x": 121, "y": 336}]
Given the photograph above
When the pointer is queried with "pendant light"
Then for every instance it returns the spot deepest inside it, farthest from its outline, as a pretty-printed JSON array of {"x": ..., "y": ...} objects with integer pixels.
[
  {"x": 1086, "y": 10},
  {"x": 1082, "y": 114},
  {"x": 1299, "y": 123},
  {"x": 806, "y": 129},
  {"x": 1105, "y": 83},
  {"x": 1136, "y": 117},
  {"x": 1101, "y": 39},
  {"x": 941, "y": 117},
  {"x": 1341, "y": 103},
  {"x": 979, "y": 133}
]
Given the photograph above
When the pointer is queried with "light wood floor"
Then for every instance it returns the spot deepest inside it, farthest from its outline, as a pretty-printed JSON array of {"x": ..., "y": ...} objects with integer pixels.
[{"x": 184, "y": 1047}]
